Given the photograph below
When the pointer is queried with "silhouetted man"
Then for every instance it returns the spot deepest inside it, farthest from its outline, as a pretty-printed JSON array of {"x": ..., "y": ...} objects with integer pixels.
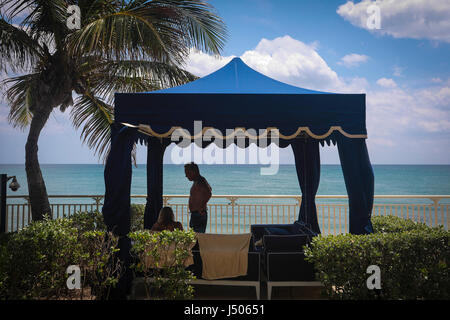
[{"x": 198, "y": 198}]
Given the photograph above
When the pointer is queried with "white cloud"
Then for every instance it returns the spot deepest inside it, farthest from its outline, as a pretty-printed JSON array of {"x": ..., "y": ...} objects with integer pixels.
[
  {"x": 387, "y": 83},
  {"x": 398, "y": 114},
  {"x": 436, "y": 80},
  {"x": 435, "y": 126},
  {"x": 202, "y": 64},
  {"x": 284, "y": 59},
  {"x": 383, "y": 142},
  {"x": 416, "y": 19},
  {"x": 353, "y": 60},
  {"x": 294, "y": 62}
]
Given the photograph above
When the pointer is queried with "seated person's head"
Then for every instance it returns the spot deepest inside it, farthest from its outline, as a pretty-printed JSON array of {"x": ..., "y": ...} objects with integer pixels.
[{"x": 166, "y": 216}]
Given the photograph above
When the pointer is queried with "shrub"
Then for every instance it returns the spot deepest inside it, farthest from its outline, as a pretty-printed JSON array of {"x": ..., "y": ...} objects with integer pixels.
[
  {"x": 4, "y": 238},
  {"x": 88, "y": 221},
  {"x": 137, "y": 217},
  {"x": 162, "y": 258},
  {"x": 392, "y": 224},
  {"x": 34, "y": 260},
  {"x": 414, "y": 263},
  {"x": 101, "y": 270}
]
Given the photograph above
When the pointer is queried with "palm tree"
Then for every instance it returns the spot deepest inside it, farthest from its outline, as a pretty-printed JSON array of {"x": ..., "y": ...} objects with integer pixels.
[{"x": 121, "y": 46}]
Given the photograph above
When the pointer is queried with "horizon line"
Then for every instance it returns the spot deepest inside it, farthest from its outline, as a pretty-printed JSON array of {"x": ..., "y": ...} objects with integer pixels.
[{"x": 243, "y": 164}]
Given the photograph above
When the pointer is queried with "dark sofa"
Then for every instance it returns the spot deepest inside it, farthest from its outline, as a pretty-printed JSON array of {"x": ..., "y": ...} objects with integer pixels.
[{"x": 282, "y": 254}]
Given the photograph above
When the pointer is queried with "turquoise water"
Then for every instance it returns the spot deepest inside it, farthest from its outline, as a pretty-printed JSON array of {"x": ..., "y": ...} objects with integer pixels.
[
  {"x": 85, "y": 179},
  {"x": 67, "y": 179}
]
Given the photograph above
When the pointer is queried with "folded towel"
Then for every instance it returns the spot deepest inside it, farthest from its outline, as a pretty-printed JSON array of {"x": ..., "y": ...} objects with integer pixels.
[{"x": 224, "y": 255}]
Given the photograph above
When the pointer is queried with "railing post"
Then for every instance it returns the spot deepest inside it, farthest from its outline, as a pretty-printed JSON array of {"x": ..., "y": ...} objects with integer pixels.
[
  {"x": 232, "y": 203},
  {"x": 299, "y": 200},
  {"x": 97, "y": 201},
  {"x": 436, "y": 202},
  {"x": 30, "y": 216},
  {"x": 166, "y": 201},
  {"x": 4, "y": 179}
]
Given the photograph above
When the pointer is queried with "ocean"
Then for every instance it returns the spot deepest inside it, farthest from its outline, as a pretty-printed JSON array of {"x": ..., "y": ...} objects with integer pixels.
[{"x": 88, "y": 179}]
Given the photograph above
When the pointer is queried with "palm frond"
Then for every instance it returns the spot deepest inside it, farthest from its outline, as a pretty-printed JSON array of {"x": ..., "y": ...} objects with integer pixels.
[
  {"x": 44, "y": 20},
  {"x": 92, "y": 10},
  {"x": 94, "y": 117},
  {"x": 13, "y": 8},
  {"x": 109, "y": 77},
  {"x": 120, "y": 35},
  {"x": 166, "y": 75},
  {"x": 106, "y": 86},
  {"x": 18, "y": 50},
  {"x": 161, "y": 31},
  {"x": 20, "y": 98},
  {"x": 206, "y": 30}
]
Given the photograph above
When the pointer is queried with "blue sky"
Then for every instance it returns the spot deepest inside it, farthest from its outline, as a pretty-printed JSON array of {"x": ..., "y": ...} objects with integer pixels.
[{"x": 403, "y": 68}]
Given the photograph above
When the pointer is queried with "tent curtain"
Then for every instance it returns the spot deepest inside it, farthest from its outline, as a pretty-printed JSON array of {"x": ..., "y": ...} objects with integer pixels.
[
  {"x": 359, "y": 181},
  {"x": 307, "y": 164},
  {"x": 155, "y": 155},
  {"x": 116, "y": 207}
]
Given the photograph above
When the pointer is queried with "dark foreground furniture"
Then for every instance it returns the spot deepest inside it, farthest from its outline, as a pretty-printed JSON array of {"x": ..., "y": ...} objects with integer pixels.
[
  {"x": 253, "y": 277},
  {"x": 283, "y": 259}
]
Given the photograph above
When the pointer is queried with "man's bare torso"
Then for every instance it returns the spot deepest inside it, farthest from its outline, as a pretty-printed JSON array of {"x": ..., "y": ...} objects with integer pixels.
[{"x": 199, "y": 195}]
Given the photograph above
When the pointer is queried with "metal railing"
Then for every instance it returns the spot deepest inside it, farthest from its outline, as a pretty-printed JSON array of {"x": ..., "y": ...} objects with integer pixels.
[{"x": 236, "y": 213}]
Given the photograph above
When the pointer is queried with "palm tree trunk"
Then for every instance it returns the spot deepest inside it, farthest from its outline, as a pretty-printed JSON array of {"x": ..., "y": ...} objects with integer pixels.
[{"x": 36, "y": 185}]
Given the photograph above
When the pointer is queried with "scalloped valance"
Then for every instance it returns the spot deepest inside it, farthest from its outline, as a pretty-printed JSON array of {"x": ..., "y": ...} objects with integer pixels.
[{"x": 241, "y": 132}]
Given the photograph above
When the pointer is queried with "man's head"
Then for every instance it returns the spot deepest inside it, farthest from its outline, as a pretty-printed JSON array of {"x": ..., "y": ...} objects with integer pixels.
[{"x": 191, "y": 170}]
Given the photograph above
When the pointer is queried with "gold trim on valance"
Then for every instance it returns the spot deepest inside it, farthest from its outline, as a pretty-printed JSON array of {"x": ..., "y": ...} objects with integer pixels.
[{"x": 146, "y": 129}]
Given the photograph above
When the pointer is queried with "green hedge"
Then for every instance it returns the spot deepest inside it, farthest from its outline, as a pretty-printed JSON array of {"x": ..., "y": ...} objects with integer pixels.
[
  {"x": 414, "y": 261},
  {"x": 163, "y": 257},
  {"x": 88, "y": 221},
  {"x": 392, "y": 224},
  {"x": 34, "y": 260},
  {"x": 137, "y": 217}
]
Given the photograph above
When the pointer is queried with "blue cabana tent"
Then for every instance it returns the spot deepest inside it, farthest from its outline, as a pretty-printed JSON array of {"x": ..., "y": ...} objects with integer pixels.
[{"x": 237, "y": 96}]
